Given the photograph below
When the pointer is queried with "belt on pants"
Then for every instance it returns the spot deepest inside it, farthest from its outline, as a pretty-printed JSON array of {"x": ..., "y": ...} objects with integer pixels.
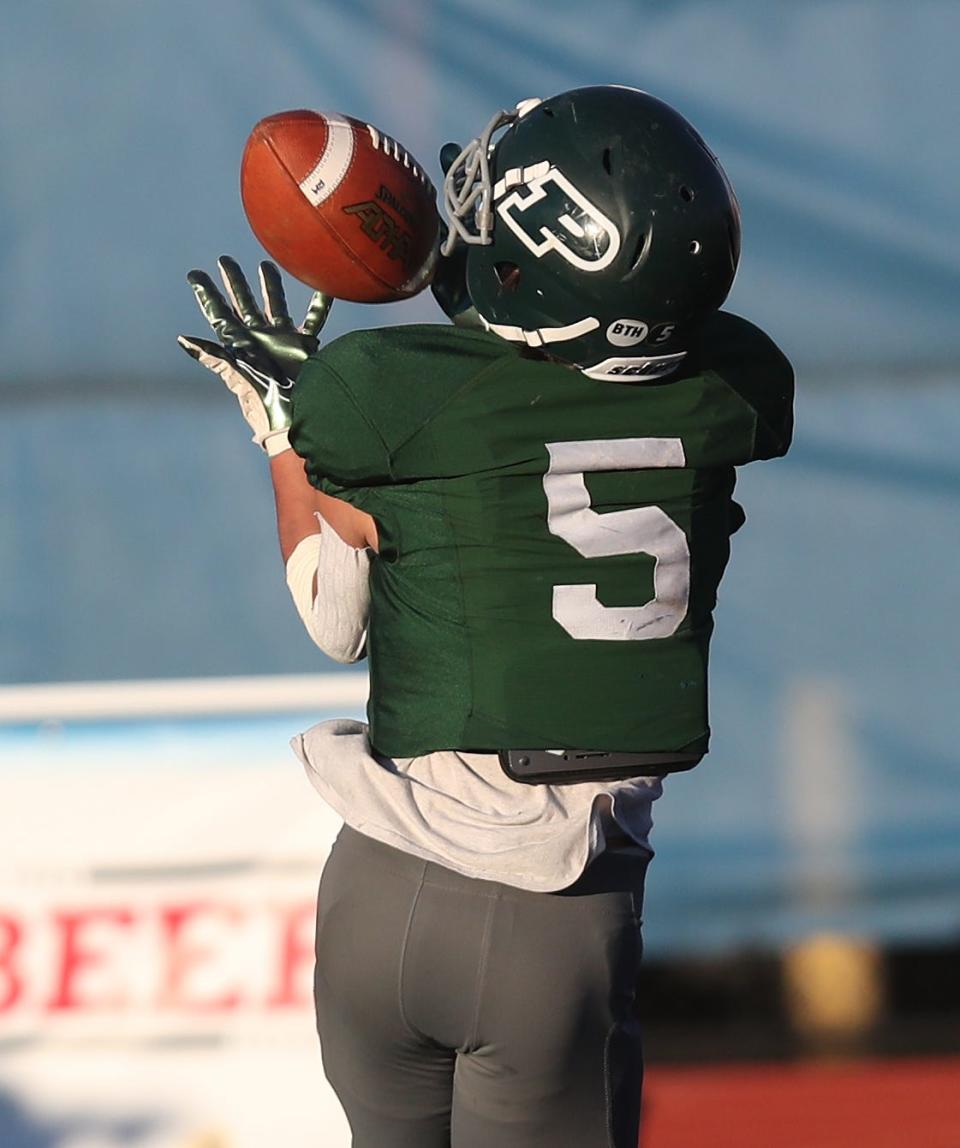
[{"x": 565, "y": 766}]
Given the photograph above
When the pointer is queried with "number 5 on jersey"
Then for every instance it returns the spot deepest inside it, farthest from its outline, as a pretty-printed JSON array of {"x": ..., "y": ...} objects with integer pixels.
[{"x": 642, "y": 530}]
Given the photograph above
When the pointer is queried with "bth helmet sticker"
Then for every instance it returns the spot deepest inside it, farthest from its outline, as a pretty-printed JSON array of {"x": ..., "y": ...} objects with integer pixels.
[
  {"x": 548, "y": 213},
  {"x": 626, "y": 332}
]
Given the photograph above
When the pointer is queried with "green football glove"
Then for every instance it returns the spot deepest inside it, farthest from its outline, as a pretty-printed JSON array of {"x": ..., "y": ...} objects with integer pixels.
[{"x": 260, "y": 351}]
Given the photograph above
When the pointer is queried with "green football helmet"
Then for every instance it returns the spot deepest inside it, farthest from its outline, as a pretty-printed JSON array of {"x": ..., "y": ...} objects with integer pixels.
[{"x": 599, "y": 226}]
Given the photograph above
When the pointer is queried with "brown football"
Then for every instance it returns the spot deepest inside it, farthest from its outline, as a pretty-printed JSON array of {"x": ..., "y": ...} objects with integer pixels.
[{"x": 340, "y": 205}]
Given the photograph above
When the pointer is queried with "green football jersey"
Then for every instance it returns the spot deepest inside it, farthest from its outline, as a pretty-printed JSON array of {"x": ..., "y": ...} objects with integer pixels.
[{"x": 550, "y": 544}]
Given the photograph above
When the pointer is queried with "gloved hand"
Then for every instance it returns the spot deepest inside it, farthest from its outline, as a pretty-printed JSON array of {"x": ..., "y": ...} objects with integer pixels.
[
  {"x": 449, "y": 283},
  {"x": 260, "y": 352}
]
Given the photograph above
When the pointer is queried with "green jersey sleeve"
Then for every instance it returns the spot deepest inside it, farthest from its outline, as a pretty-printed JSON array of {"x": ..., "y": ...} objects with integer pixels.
[
  {"x": 332, "y": 432},
  {"x": 741, "y": 358},
  {"x": 364, "y": 396}
]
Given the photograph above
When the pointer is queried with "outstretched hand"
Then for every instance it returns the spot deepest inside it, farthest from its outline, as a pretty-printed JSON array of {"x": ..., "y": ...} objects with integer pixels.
[{"x": 260, "y": 349}]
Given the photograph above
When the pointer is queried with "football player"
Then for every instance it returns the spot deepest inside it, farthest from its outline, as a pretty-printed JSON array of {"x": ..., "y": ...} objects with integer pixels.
[{"x": 522, "y": 519}]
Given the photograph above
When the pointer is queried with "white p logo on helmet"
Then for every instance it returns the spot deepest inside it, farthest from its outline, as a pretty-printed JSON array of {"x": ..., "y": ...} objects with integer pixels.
[{"x": 567, "y": 222}]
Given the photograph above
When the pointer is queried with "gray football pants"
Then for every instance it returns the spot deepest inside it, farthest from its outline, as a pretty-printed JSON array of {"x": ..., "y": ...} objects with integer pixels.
[{"x": 459, "y": 1013}]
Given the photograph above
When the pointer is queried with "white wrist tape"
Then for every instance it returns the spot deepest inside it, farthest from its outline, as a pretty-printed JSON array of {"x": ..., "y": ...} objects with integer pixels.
[
  {"x": 328, "y": 582},
  {"x": 274, "y": 442}
]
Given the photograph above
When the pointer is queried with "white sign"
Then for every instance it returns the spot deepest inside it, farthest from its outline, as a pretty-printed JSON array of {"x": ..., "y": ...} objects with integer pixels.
[{"x": 157, "y": 898}]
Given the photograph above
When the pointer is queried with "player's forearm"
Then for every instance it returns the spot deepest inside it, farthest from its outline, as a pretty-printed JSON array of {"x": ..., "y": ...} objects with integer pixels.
[
  {"x": 329, "y": 583},
  {"x": 327, "y": 575},
  {"x": 295, "y": 500},
  {"x": 298, "y": 503}
]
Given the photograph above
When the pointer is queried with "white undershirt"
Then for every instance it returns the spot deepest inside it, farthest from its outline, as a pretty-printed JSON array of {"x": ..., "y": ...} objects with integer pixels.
[{"x": 458, "y": 809}]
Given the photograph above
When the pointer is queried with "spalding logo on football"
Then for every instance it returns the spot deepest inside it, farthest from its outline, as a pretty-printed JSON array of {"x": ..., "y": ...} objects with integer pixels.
[{"x": 340, "y": 205}]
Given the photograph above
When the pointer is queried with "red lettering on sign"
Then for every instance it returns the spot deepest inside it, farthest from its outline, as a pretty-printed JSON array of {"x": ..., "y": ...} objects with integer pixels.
[
  {"x": 184, "y": 958},
  {"x": 296, "y": 955},
  {"x": 11, "y": 985},
  {"x": 76, "y": 955}
]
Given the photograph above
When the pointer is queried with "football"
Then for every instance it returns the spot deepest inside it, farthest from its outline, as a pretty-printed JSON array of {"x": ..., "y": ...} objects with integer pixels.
[{"x": 340, "y": 205}]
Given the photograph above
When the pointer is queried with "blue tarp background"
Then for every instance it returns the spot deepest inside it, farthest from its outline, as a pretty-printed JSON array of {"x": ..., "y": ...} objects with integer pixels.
[
  {"x": 136, "y": 535},
  {"x": 121, "y": 127}
]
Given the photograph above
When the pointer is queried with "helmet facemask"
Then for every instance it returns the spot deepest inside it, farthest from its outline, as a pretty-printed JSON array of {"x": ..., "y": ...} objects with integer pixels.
[{"x": 468, "y": 188}]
